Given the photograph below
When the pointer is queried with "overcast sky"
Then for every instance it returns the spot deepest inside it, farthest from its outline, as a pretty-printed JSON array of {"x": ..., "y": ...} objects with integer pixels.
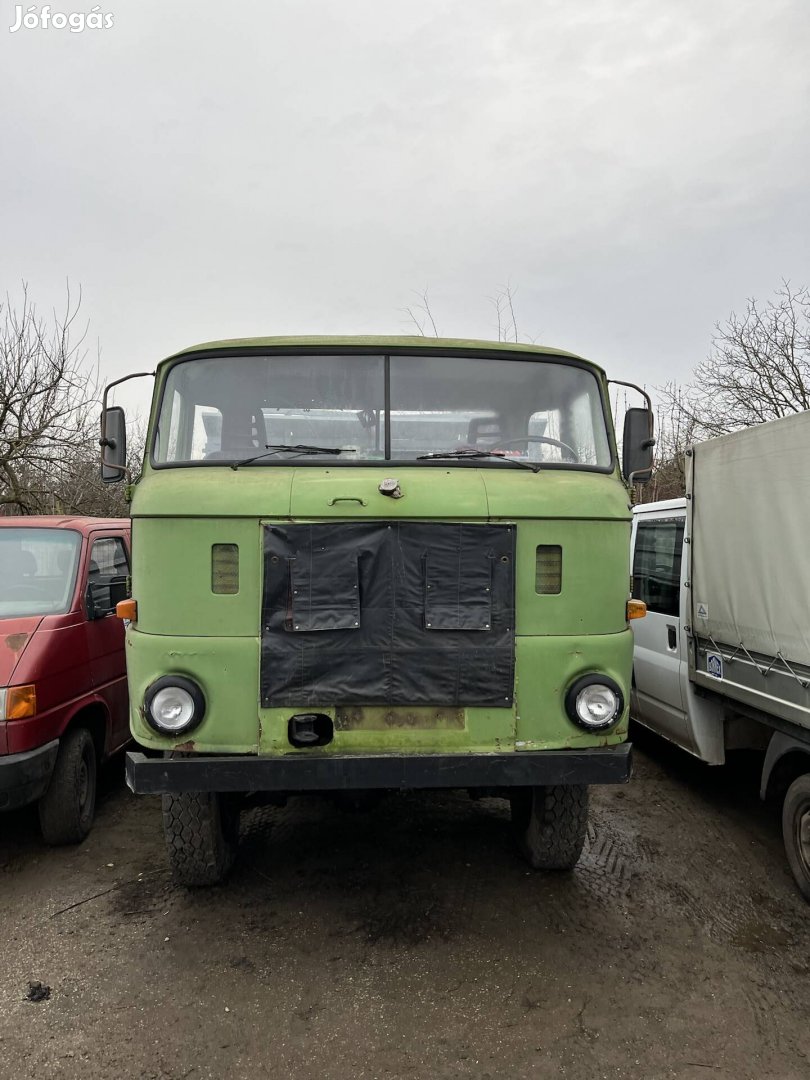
[{"x": 635, "y": 169}]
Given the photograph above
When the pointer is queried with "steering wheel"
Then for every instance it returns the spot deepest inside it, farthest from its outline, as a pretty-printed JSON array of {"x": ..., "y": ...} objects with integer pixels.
[
  {"x": 23, "y": 592},
  {"x": 542, "y": 439}
]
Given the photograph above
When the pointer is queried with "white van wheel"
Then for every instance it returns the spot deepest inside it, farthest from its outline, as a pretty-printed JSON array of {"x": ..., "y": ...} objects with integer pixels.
[{"x": 796, "y": 831}]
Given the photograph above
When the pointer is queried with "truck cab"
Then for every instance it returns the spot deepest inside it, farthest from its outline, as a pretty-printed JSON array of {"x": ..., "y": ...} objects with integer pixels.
[
  {"x": 371, "y": 564},
  {"x": 63, "y": 691}
]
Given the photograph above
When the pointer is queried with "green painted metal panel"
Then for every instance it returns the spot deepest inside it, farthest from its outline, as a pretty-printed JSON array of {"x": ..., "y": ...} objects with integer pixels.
[
  {"x": 556, "y": 493},
  {"x": 545, "y": 669},
  {"x": 451, "y": 493},
  {"x": 227, "y": 669},
  {"x": 595, "y": 578},
  {"x": 213, "y": 492},
  {"x": 354, "y": 493},
  {"x": 171, "y": 576}
]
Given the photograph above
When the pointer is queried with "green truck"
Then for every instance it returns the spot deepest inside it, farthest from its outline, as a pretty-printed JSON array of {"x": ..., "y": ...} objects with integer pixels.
[{"x": 375, "y": 564}]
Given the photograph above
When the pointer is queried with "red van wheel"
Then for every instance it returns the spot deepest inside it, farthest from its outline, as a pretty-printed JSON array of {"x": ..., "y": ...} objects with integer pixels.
[{"x": 67, "y": 808}]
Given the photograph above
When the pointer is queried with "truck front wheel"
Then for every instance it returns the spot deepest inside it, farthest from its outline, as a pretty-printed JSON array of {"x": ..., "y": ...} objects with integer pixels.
[
  {"x": 67, "y": 808},
  {"x": 796, "y": 831},
  {"x": 550, "y": 824},
  {"x": 202, "y": 832}
]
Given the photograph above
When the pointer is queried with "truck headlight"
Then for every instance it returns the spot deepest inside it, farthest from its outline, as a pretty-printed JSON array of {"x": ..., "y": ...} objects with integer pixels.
[
  {"x": 594, "y": 702},
  {"x": 173, "y": 705}
]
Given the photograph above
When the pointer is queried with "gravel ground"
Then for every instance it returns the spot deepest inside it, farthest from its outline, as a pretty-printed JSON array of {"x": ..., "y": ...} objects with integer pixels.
[{"x": 411, "y": 942}]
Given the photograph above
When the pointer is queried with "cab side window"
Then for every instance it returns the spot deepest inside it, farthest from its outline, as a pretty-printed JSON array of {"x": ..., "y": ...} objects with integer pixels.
[
  {"x": 657, "y": 565},
  {"x": 108, "y": 559}
]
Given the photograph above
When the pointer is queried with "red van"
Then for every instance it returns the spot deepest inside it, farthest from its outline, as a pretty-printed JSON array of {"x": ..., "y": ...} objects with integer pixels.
[{"x": 63, "y": 689}]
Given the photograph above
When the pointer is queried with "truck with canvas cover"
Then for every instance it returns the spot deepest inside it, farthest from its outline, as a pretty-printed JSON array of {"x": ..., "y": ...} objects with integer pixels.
[
  {"x": 722, "y": 660},
  {"x": 376, "y": 564}
]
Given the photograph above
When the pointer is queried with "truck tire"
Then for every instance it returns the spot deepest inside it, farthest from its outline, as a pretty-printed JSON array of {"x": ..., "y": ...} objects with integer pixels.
[
  {"x": 796, "y": 831},
  {"x": 550, "y": 824},
  {"x": 67, "y": 808},
  {"x": 202, "y": 833}
]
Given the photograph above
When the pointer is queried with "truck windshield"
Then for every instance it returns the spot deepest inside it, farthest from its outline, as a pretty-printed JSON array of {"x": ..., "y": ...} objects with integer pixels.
[
  {"x": 37, "y": 571},
  {"x": 226, "y": 409}
]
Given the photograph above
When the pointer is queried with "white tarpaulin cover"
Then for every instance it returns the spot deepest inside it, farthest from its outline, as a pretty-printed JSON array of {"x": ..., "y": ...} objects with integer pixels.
[{"x": 750, "y": 536}]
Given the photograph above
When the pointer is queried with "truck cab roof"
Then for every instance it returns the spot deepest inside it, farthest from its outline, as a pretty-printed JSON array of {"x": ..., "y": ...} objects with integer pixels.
[{"x": 379, "y": 343}]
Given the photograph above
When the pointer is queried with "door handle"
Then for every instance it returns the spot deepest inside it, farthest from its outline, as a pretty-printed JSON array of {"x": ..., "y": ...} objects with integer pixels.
[
  {"x": 348, "y": 498},
  {"x": 672, "y": 637}
]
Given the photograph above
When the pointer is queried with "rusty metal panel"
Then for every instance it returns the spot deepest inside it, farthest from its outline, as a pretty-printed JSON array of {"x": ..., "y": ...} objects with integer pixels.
[{"x": 382, "y": 718}]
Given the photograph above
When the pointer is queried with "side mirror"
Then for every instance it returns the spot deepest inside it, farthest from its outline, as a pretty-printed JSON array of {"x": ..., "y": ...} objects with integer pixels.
[
  {"x": 102, "y": 597},
  {"x": 113, "y": 443},
  {"x": 637, "y": 446}
]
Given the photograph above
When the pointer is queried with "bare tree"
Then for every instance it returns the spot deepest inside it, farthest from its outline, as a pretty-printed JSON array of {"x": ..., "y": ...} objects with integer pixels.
[
  {"x": 49, "y": 406},
  {"x": 758, "y": 369},
  {"x": 504, "y": 304},
  {"x": 674, "y": 431},
  {"x": 77, "y": 486},
  {"x": 421, "y": 315}
]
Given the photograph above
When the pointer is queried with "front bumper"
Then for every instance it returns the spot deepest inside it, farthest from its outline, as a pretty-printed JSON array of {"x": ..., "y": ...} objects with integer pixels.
[
  {"x": 311, "y": 771},
  {"x": 24, "y": 778}
]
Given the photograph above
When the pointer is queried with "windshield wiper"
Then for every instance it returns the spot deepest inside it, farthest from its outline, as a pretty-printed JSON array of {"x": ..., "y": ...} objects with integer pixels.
[
  {"x": 471, "y": 453},
  {"x": 284, "y": 448}
]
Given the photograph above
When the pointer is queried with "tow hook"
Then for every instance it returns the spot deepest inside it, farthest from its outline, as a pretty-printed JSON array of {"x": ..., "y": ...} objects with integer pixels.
[{"x": 310, "y": 729}]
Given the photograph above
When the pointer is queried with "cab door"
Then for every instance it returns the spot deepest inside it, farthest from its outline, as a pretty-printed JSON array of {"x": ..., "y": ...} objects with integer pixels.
[
  {"x": 108, "y": 564},
  {"x": 660, "y": 659}
]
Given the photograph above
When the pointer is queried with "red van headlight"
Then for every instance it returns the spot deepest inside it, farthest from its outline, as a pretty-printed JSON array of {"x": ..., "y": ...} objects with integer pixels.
[{"x": 18, "y": 702}]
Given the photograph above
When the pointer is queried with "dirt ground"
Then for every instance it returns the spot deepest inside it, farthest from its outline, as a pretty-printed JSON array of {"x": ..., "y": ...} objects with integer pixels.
[{"x": 412, "y": 942}]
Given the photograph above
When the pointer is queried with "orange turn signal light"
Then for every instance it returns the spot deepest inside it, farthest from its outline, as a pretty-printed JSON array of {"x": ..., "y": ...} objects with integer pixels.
[
  {"x": 21, "y": 702},
  {"x": 127, "y": 609},
  {"x": 636, "y": 609}
]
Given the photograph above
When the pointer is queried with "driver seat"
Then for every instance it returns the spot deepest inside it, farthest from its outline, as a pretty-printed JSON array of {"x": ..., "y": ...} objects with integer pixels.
[
  {"x": 484, "y": 432},
  {"x": 23, "y": 565}
]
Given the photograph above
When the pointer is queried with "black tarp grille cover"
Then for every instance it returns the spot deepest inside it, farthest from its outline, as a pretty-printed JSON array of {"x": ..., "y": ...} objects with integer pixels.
[{"x": 388, "y": 613}]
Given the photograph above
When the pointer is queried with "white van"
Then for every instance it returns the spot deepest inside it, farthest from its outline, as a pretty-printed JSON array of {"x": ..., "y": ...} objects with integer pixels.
[{"x": 722, "y": 660}]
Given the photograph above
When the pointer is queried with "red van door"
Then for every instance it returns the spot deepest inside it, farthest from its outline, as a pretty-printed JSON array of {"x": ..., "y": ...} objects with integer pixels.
[{"x": 108, "y": 563}]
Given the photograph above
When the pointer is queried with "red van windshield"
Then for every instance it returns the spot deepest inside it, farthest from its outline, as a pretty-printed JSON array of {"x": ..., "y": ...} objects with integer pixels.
[{"x": 37, "y": 571}]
